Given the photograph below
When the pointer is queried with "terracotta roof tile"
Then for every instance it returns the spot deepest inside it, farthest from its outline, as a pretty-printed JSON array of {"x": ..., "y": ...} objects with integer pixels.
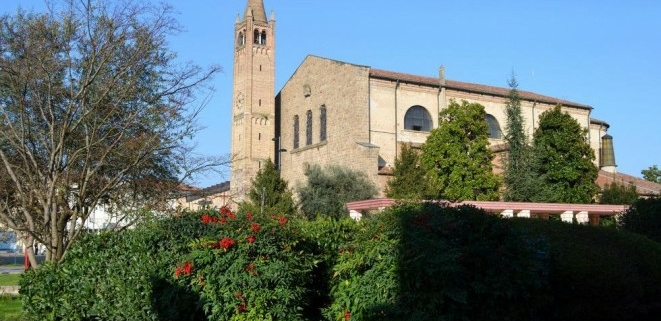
[
  {"x": 643, "y": 187},
  {"x": 475, "y": 88}
]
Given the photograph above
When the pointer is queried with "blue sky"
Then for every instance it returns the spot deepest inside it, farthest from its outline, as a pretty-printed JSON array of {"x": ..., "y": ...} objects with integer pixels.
[{"x": 606, "y": 54}]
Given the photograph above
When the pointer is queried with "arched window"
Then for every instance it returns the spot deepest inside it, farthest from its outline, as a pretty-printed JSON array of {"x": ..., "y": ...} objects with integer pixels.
[
  {"x": 417, "y": 118},
  {"x": 241, "y": 40},
  {"x": 296, "y": 126},
  {"x": 322, "y": 123},
  {"x": 494, "y": 127},
  {"x": 308, "y": 128},
  {"x": 256, "y": 37},
  {"x": 263, "y": 39}
]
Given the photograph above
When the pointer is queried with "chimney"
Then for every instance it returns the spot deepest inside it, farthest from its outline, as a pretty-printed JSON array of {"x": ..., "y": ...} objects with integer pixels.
[{"x": 607, "y": 157}]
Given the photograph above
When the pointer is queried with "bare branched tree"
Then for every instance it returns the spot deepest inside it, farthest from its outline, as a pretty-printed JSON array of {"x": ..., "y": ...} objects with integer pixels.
[{"x": 94, "y": 109}]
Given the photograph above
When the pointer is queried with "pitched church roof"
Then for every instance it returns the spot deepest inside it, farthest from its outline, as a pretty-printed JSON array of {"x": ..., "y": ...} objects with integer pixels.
[
  {"x": 470, "y": 87},
  {"x": 255, "y": 8},
  {"x": 643, "y": 187}
]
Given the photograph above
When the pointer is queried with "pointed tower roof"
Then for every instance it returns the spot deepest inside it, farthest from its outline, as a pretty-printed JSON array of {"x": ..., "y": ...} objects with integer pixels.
[{"x": 255, "y": 8}]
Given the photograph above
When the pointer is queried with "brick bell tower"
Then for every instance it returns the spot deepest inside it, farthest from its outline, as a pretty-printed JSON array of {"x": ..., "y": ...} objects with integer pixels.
[{"x": 253, "y": 108}]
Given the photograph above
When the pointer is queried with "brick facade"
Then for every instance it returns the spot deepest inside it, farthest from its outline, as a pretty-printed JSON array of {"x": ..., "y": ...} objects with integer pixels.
[{"x": 364, "y": 109}]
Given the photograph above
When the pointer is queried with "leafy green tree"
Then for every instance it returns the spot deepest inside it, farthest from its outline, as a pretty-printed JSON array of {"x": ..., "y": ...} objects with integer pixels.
[
  {"x": 328, "y": 190},
  {"x": 652, "y": 174},
  {"x": 618, "y": 194},
  {"x": 409, "y": 179},
  {"x": 269, "y": 193},
  {"x": 643, "y": 217},
  {"x": 94, "y": 109},
  {"x": 564, "y": 163},
  {"x": 519, "y": 176},
  {"x": 457, "y": 157}
]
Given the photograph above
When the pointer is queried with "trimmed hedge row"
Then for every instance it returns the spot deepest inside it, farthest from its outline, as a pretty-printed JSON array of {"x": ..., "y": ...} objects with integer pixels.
[{"x": 411, "y": 262}]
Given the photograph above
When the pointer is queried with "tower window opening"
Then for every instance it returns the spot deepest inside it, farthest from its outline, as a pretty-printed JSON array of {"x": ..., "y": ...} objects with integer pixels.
[
  {"x": 259, "y": 136},
  {"x": 260, "y": 102},
  {"x": 263, "y": 38},
  {"x": 260, "y": 67},
  {"x": 256, "y": 37},
  {"x": 241, "y": 40}
]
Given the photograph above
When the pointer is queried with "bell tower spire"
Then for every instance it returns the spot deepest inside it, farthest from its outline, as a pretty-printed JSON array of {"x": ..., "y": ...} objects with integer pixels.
[{"x": 253, "y": 108}]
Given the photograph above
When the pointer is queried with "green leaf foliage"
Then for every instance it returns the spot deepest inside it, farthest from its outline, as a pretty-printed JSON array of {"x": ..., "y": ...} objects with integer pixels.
[
  {"x": 620, "y": 194},
  {"x": 116, "y": 276},
  {"x": 251, "y": 267},
  {"x": 519, "y": 177},
  {"x": 652, "y": 174},
  {"x": 564, "y": 161},
  {"x": 598, "y": 273},
  {"x": 409, "y": 179},
  {"x": 643, "y": 217},
  {"x": 327, "y": 190},
  {"x": 428, "y": 262},
  {"x": 269, "y": 187},
  {"x": 457, "y": 157}
]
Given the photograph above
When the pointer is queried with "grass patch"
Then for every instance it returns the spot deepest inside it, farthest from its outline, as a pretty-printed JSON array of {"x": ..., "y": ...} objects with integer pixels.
[
  {"x": 9, "y": 279},
  {"x": 10, "y": 308}
]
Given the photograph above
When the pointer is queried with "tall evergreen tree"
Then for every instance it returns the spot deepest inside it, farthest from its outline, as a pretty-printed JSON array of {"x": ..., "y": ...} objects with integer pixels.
[
  {"x": 269, "y": 193},
  {"x": 409, "y": 179},
  {"x": 564, "y": 163},
  {"x": 457, "y": 157},
  {"x": 519, "y": 178}
]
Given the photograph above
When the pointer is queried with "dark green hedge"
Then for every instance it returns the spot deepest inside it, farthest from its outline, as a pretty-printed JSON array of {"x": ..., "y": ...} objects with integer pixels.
[
  {"x": 599, "y": 273},
  {"x": 439, "y": 263},
  {"x": 411, "y": 262},
  {"x": 116, "y": 276}
]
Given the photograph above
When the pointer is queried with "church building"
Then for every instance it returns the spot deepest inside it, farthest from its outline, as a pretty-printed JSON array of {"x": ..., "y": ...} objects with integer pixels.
[{"x": 335, "y": 112}]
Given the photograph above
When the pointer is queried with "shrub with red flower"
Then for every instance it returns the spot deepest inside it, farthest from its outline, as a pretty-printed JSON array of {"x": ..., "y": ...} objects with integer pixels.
[
  {"x": 251, "y": 270},
  {"x": 347, "y": 315},
  {"x": 226, "y": 243},
  {"x": 185, "y": 268}
]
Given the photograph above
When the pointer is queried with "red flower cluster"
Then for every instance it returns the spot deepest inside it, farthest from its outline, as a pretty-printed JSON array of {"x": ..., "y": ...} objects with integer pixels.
[
  {"x": 251, "y": 269},
  {"x": 251, "y": 239},
  {"x": 225, "y": 213},
  {"x": 255, "y": 227},
  {"x": 186, "y": 268},
  {"x": 347, "y": 315},
  {"x": 242, "y": 307},
  {"x": 249, "y": 216},
  {"x": 283, "y": 220},
  {"x": 226, "y": 243}
]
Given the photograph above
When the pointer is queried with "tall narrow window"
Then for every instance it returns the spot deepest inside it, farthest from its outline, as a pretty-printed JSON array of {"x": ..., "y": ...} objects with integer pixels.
[
  {"x": 322, "y": 123},
  {"x": 256, "y": 37},
  {"x": 296, "y": 125},
  {"x": 263, "y": 39},
  {"x": 494, "y": 127},
  {"x": 241, "y": 40},
  {"x": 308, "y": 128}
]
